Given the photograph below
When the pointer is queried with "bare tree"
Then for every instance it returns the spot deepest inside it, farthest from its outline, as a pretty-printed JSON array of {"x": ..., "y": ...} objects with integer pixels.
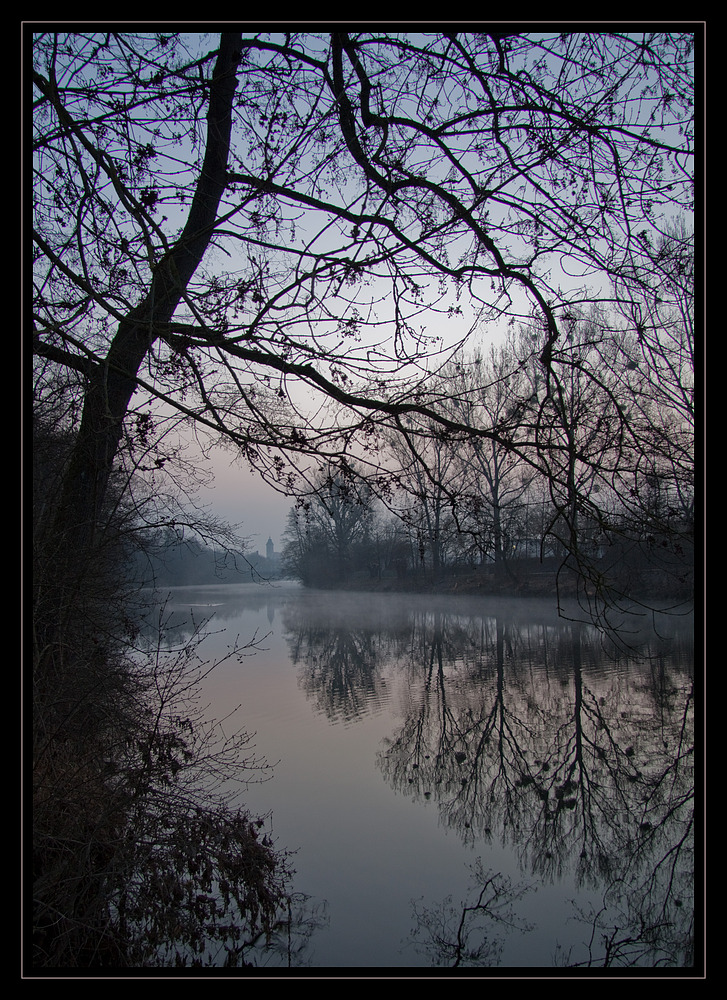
[
  {"x": 324, "y": 528},
  {"x": 426, "y": 484},
  {"x": 259, "y": 230},
  {"x": 492, "y": 478}
]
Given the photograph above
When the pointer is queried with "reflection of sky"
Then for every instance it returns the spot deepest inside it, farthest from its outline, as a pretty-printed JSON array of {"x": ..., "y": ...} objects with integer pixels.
[{"x": 366, "y": 845}]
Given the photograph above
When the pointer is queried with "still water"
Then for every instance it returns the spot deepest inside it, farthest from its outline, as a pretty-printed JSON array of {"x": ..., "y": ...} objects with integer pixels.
[{"x": 465, "y": 782}]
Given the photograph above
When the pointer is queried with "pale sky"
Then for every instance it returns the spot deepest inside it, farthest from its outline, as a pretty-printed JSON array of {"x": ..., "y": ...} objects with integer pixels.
[{"x": 240, "y": 496}]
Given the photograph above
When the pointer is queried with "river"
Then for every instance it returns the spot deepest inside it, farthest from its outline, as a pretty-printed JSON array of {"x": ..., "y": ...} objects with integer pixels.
[{"x": 465, "y": 782}]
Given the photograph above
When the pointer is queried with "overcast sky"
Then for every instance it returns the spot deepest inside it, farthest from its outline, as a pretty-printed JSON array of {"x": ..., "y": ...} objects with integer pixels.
[{"x": 241, "y": 496}]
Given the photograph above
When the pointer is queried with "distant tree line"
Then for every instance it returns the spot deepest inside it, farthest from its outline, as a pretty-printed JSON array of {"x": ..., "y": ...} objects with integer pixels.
[
  {"x": 484, "y": 507},
  {"x": 174, "y": 558}
]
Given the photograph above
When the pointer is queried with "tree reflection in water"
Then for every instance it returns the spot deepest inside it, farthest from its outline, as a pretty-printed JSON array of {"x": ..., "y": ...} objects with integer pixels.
[
  {"x": 473, "y": 934},
  {"x": 527, "y": 733}
]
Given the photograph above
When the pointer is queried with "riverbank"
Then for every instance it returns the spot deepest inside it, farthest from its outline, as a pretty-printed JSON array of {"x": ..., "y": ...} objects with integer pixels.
[{"x": 545, "y": 581}]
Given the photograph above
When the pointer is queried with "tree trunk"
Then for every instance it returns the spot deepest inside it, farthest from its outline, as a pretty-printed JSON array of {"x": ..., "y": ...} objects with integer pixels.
[{"x": 113, "y": 383}]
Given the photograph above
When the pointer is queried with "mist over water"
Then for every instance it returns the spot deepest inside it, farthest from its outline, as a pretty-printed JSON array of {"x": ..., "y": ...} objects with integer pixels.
[{"x": 432, "y": 753}]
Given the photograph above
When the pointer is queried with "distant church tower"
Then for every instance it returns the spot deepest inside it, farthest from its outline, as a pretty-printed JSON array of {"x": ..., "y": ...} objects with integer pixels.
[{"x": 269, "y": 548}]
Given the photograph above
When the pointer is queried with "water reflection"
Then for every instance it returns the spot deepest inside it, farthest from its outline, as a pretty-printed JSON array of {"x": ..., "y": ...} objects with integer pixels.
[
  {"x": 530, "y": 734},
  {"x": 473, "y": 934},
  {"x": 549, "y": 755}
]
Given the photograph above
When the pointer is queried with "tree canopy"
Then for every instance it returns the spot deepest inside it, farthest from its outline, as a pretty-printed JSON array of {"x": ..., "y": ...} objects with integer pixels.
[{"x": 285, "y": 237}]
